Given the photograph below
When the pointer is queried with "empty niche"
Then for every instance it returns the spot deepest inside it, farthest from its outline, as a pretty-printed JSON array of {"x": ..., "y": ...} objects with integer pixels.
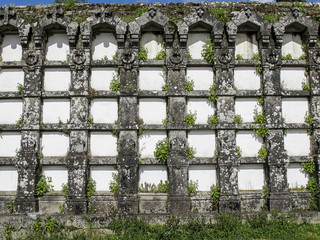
[
  {"x": 58, "y": 175},
  {"x": 102, "y": 175},
  {"x": 148, "y": 141},
  {"x": 103, "y": 144},
  {"x": 201, "y": 76},
  {"x": 246, "y": 78},
  {"x": 11, "y": 48},
  {"x": 54, "y": 144},
  {"x": 152, "y": 110},
  {"x": 9, "y": 144},
  {"x": 104, "y": 47},
  {"x": 57, "y": 79},
  {"x": 152, "y": 174},
  {"x": 101, "y": 78},
  {"x": 292, "y": 78},
  {"x": 246, "y": 45},
  {"x": 203, "y": 142},
  {"x": 294, "y": 110},
  {"x": 56, "y": 110},
  {"x": 296, "y": 176},
  {"x": 246, "y": 108},
  {"x": 202, "y": 107},
  {"x": 104, "y": 110},
  {"x": 8, "y": 178},
  {"x": 248, "y": 143},
  {"x": 205, "y": 175},
  {"x": 10, "y": 79},
  {"x": 152, "y": 43},
  {"x": 251, "y": 177},
  {"x": 195, "y": 44},
  {"x": 12, "y": 109},
  {"x": 297, "y": 142},
  {"x": 57, "y": 47},
  {"x": 151, "y": 78},
  {"x": 292, "y": 45}
]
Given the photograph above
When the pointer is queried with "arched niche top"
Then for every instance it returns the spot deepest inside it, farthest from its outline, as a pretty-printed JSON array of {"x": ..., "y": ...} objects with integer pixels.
[
  {"x": 296, "y": 22},
  {"x": 151, "y": 20},
  {"x": 248, "y": 21},
  {"x": 201, "y": 19},
  {"x": 55, "y": 20},
  {"x": 10, "y": 22},
  {"x": 104, "y": 20}
]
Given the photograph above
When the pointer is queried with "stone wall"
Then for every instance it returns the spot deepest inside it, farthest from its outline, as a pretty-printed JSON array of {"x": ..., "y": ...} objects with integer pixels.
[{"x": 61, "y": 118}]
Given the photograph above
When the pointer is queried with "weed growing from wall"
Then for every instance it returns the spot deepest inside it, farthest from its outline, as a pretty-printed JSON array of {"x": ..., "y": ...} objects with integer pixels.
[
  {"x": 238, "y": 150},
  {"x": 212, "y": 119},
  {"x": 309, "y": 119},
  {"x": 10, "y": 205},
  {"x": 91, "y": 189},
  {"x": 220, "y": 13},
  {"x": 44, "y": 185},
  {"x": 312, "y": 186},
  {"x": 114, "y": 184},
  {"x": 20, "y": 88},
  {"x": 263, "y": 152},
  {"x": 90, "y": 120},
  {"x": 162, "y": 151},
  {"x": 162, "y": 187},
  {"x": 20, "y": 121},
  {"x": 208, "y": 51},
  {"x": 193, "y": 188},
  {"x": 189, "y": 85},
  {"x": 64, "y": 191},
  {"x": 190, "y": 118},
  {"x": 115, "y": 83},
  {"x": 266, "y": 196},
  {"x": 190, "y": 152},
  {"x": 215, "y": 195},
  {"x": 162, "y": 54},
  {"x": 143, "y": 53},
  {"x": 135, "y": 14},
  {"x": 212, "y": 97},
  {"x": 165, "y": 121},
  {"x": 258, "y": 66},
  {"x": 165, "y": 87},
  {"x": 260, "y": 118},
  {"x": 261, "y": 100},
  {"x": 239, "y": 57},
  {"x": 271, "y": 18},
  {"x": 237, "y": 119},
  {"x": 287, "y": 57}
]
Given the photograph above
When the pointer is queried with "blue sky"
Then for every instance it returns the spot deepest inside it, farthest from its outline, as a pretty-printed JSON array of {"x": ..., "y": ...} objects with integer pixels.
[{"x": 35, "y": 2}]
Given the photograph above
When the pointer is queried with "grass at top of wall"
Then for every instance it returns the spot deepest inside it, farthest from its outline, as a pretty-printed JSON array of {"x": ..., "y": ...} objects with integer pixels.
[{"x": 226, "y": 227}]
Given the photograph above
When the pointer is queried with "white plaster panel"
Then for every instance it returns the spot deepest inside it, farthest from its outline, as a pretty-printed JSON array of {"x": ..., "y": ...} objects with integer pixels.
[
  {"x": 292, "y": 78},
  {"x": 103, "y": 144},
  {"x": 296, "y": 176},
  {"x": 249, "y": 143},
  {"x": 204, "y": 142},
  {"x": 58, "y": 175},
  {"x": 101, "y": 78},
  {"x": 104, "y": 110},
  {"x": 152, "y": 174},
  {"x": 246, "y": 45},
  {"x": 151, "y": 42},
  {"x": 206, "y": 175},
  {"x": 54, "y": 144},
  {"x": 195, "y": 44},
  {"x": 202, "y": 107},
  {"x": 297, "y": 143},
  {"x": 246, "y": 78},
  {"x": 148, "y": 141},
  {"x": 9, "y": 144},
  {"x": 246, "y": 108},
  {"x": 55, "y": 110},
  {"x": 202, "y": 77},
  {"x": 11, "y": 49},
  {"x": 8, "y": 178},
  {"x": 102, "y": 175},
  {"x": 251, "y": 177},
  {"x": 151, "y": 78},
  {"x": 152, "y": 110},
  {"x": 104, "y": 45},
  {"x": 57, "y": 47},
  {"x": 12, "y": 109},
  {"x": 294, "y": 110},
  {"x": 10, "y": 78},
  {"x": 57, "y": 79},
  {"x": 292, "y": 45}
]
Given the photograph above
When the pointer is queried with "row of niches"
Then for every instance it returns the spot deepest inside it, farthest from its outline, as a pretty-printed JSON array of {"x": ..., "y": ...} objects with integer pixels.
[
  {"x": 154, "y": 111},
  {"x": 201, "y": 144},
  {"x": 154, "y": 79},
  {"x": 104, "y": 47},
  {"x": 153, "y": 178}
]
